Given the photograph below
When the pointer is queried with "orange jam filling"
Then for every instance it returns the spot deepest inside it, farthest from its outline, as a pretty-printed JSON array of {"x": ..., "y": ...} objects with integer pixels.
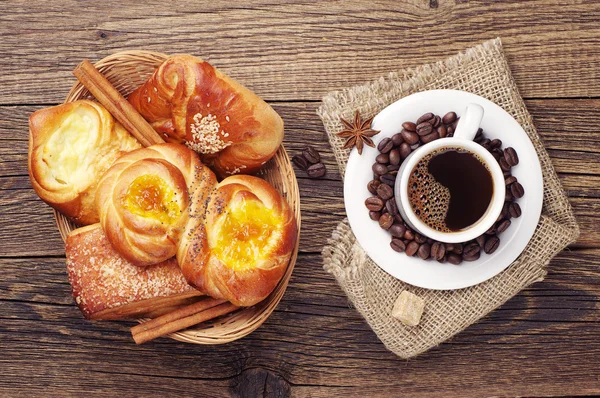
[
  {"x": 148, "y": 196},
  {"x": 244, "y": 235}
]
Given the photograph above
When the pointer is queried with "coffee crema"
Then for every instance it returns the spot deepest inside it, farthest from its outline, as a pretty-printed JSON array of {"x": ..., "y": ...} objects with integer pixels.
[{"x": 450, "y": 189}]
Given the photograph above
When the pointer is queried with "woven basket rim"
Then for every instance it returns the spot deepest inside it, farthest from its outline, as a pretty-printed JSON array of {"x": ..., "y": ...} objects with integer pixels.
[{"x": 258, "y": 313}]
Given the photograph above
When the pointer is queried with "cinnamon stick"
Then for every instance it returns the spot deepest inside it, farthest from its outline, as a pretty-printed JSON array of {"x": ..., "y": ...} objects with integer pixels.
[
  {"x": 144, "y": 335},
  {"x": 116, "y": 104}
]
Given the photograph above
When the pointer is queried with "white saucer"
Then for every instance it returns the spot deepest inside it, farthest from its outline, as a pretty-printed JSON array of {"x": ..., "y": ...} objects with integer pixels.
[{"x": 431, "y": 274}]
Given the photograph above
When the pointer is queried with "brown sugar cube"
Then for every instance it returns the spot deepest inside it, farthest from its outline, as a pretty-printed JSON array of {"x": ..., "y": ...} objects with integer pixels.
[{"x": 408, "y": 308}]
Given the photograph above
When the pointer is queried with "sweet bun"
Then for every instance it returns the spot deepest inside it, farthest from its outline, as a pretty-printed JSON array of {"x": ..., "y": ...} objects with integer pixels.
[
  {"x": 143, "y": 200},
  {"x": 240, "y": 250},
  {"x": 70, "y": 147},
  {"x": 188, "y": 101},
  {"x": 106, "y": 286}
]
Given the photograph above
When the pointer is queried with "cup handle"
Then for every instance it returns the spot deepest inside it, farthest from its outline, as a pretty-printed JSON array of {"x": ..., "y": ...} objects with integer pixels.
[{"x": 469, "y": 123}]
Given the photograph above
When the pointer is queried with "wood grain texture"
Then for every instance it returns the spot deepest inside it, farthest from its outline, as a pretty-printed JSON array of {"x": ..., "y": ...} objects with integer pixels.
[
  {"x": 301, "y": 50},
  {"x": 543, "y": 342}
]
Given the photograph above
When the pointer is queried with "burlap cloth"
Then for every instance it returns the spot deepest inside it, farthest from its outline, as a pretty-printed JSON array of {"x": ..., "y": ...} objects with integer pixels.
[{"x": 482, "y": 70}]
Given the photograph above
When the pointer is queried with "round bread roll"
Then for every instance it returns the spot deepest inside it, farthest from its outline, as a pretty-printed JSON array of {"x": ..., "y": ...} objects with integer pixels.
[
  {"x": 70, "y": 147},
  {"x": 240, "y": 250},
  {"x": 143, "y": 200},
  {"x": 189, "y": 101}
]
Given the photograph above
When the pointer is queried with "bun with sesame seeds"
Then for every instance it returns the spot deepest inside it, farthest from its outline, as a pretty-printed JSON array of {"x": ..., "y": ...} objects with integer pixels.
[
  {"x": 240, "y": 248},
  {"x": 106, "y": 286},
  {"x": 189, "y": 101},
  {"x": 143, "y": 200}
]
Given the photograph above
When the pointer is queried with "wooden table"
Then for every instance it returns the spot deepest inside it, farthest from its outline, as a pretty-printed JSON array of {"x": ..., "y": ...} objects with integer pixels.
[{"x": 543, "y": 342}]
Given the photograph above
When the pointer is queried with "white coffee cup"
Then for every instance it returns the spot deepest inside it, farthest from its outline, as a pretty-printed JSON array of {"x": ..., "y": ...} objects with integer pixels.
[{"x": 462, "y": 139}]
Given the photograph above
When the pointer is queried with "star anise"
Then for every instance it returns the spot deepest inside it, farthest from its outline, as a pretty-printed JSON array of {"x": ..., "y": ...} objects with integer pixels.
[{"x": 358, "y": 133}]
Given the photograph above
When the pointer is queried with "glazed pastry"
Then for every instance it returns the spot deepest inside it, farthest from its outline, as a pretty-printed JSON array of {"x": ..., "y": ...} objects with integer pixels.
[
  {"x": 70, "y": 147},
  {"x": 106, "y": 286},
  {"x": 143, "y": 200},
  {"x": 188, "y": 101},
  {"x": 242, "y": 247}
]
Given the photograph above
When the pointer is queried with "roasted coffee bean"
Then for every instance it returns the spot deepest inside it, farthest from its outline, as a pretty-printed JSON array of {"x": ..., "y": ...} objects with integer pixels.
[
  {"x": 388, "y": 179},
  {"x": 496, "y": 156},
  {"x": 458, "y": 248},
  {"x": 397, "y": 139},
  {"x": 391, "y": 206},
  {"x": 397, "y": 245},
  {"x": 415, "y": 146},
  {"x": 480, "y": 240},
  {"x": 311, "y": 154},
  {"x": 455, "y": 123},
  {"x": 437, "y": 121},
  {"x": 442, "y": 131},
  {"x": 443, "y": 259},
  {"x": 470, "y": 249},
  {"x": 517, "y": 190},
  {"x": 485, "y": 142},
  {"x": 385, "y": 145},
  {"x": 503, "y": 164},
  {"x": 394, "y": 156},
  {"x": 420, "y": 238},
  {"x": 301, "y": 162},
  {"x": 430, "y": 137},
  {"x": 438, "y": 250},
  {"x": 491, "y": 231},
  {"x": 471, "y": 257},
  {"x": 511, "y": 156},
  {"x": 424, "y": 117},
  {"x": 449, "y": 117},
  {"x": 514, "y": 210},
  {"x": 405, "y": 150},
  {"x": 410, "y": 137},
  {"x": 411, "y": 248},
  {"x": 424, "y": 129},
  {"x": 510, "y": 180},
  {"x": 397, "y": 230},
  {"x": 372, "y": 186},
  {"x": 379, "y": 169},
  {"x": 495, "y": 143},
  {"x": 409, "y": 234},
  {"x": 506, "y": 173},
  {"x": 450, "y": 131},
  {"x": 391, "y": 168},
  {"x": 398, "y": 219},
  {"x": 384, "y": 210},
  {"x": 385, "y": 192},
  {"x": 316, "y": 170},
  {"x": 503, "y": 226},
  {"x": 498, "y": 151},
  {"x": 409, "y": 126},
  {"x": 430, "y": 241},
  {"x": 383, "y": 158},
  {"x": 374, "y": 215},
  {"x": 504, "y": 212},
  {"x": 454, "y": 258},
  {"x": 374, "y": 203},
  {"x": 501, "y": 216},
  {"x": 449, "y": 246},
  {"x": 491, "y": 244},
  {"x": 386, "y": 220},
  {"x": 508, "y": 196},
  {"x": 424, "y": 251}
]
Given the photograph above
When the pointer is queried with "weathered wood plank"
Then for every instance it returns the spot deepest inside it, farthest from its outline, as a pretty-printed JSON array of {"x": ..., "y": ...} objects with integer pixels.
[
  {"x": 301, "y": 50},
  {"x": 318, "y": 340}
]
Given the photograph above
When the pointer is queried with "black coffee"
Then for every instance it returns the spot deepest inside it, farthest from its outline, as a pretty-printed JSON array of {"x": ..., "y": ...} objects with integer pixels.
[{"x": 450, "y": 189}]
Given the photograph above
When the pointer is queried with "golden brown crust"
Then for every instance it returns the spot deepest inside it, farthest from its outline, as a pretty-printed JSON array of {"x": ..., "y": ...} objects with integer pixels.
[
  {"x": 70, "y": 147},
  {"x": 189, "y": 101},
  {"x": 106, "y": 286},
  {"x": 209, "y": 266},
  {"x": 143, "y": 201}
]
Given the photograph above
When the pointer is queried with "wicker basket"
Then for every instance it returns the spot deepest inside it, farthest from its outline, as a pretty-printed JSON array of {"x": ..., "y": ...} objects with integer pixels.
[{"x": 127, "y": 71}]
